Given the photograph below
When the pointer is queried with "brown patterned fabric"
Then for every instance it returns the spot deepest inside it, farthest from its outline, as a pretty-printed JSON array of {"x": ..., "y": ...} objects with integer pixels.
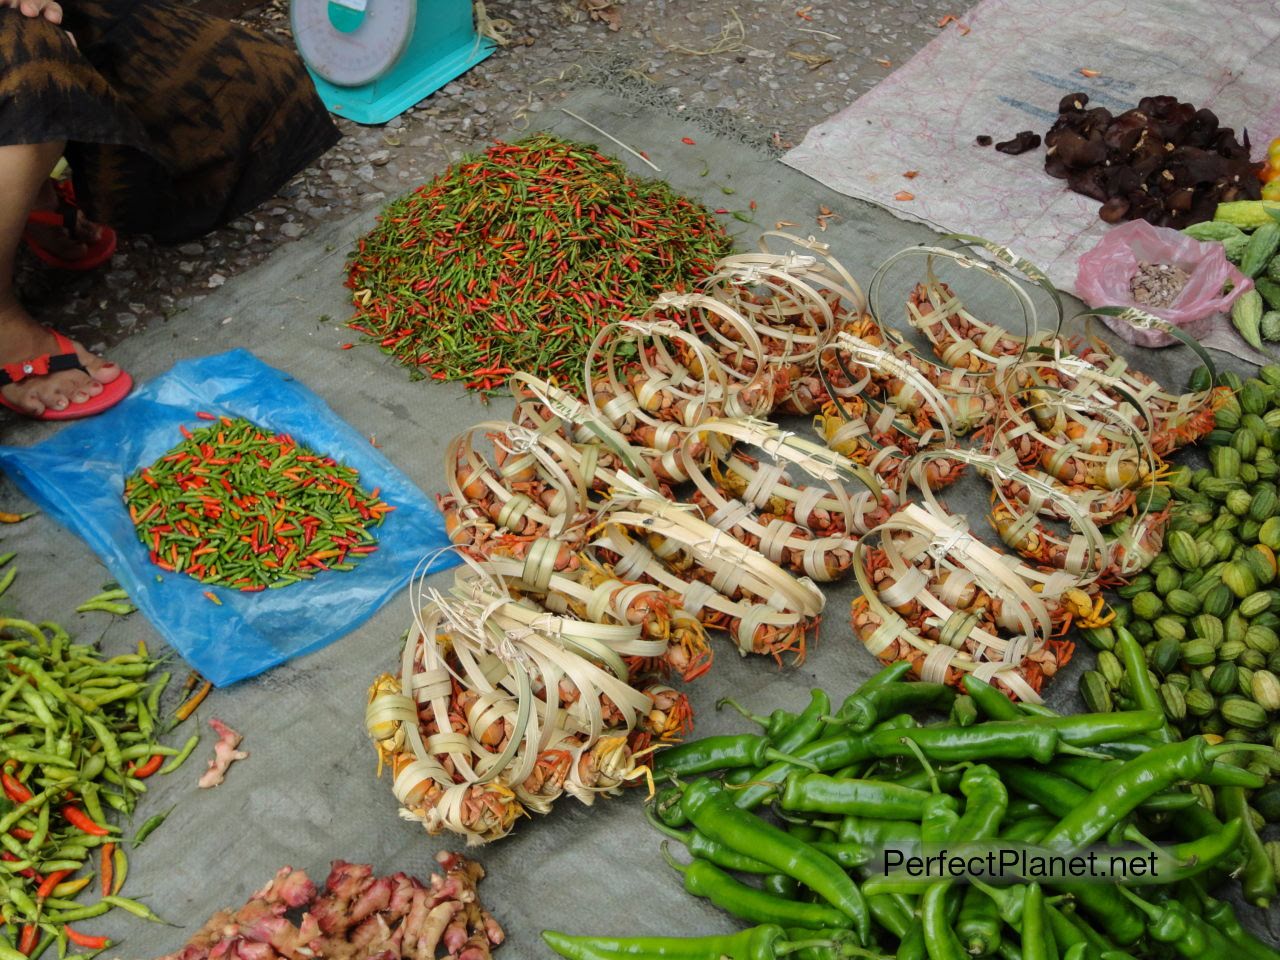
[{"x": 175, "y": 121}]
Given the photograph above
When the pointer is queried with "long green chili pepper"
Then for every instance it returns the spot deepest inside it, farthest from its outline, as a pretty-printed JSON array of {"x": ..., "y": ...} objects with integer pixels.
[
  {"x": 1171, "y": 923},
  {"x": 940, "y": 939},
  {"x": 829, "y": 753},
  {"x": 979, "y": 926},
  {"x": 892, "y": 913},
  {"x": 755, "y": 943},
  {"x": 870, "y": 831},
  {"x": 912, "y": 946},
  {"x": 986, "y": 801},
  {"x": 990, "y": 701},
  {"x": 182, "y": 754},
  {"x": 1089, "y": 729},
  {"x": 705, "y": 880},
  {"x": 771, "y": 726},
  {"x": 1036, "y": 937},
  {"x": 981, "y": 742},
  {"x": 1143, "y": 777},
  {"x": 150, "y": 825},
  {"x": 712, "y": 811},
  {"x": 1258, "y": 884},
  {"x": 818, "y": 793},
  {"x": 698, "y": 846},
  {"x": 808, "y": 724},
  {"x": 1220, "y": 915},
  {"x": 719, "y": 753},
  {"x": 1100, "y": 944},
  {"x": 1142, "y": 690},
  {"x": 133, "y": 907},
  {"x": 780, "y": 886},
  {"x": 863, "y": 711},
  {"x": 1058, "y": 795},
  {"x": 1092, "y": 774},
  {"x": 1184, "y": 860}
]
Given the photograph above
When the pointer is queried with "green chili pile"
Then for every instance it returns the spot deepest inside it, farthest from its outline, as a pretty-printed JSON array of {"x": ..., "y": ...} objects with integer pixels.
[
  {"x": 238, "y": 506},
  {"x": 513, "y": 261},
  {"x": 78, "y": 739},
  {"x": 813, "y": 880}
]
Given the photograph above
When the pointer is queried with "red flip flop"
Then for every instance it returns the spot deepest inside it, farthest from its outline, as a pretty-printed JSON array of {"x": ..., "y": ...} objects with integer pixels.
[
  {"x": 96, "y": 254},
  {"x": 67, "y": 359}
]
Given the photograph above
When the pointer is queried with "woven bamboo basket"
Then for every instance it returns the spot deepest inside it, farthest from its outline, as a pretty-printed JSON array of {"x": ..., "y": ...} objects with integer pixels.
[{"x": 501, "y": 707}]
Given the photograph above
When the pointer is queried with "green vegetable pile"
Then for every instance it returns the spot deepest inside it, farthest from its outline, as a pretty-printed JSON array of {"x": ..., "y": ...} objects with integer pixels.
[
  {"x": 816, "y": 882},
  {"x": 1207, "y": 610},
  {"x": 1250, "y": 237},
  {"x": 79, "y": 733}
]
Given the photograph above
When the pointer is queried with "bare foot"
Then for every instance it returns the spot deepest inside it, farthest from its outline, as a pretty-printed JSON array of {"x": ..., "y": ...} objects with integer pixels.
[
  {"x": 21, "y": 338},
  {"x": 58, "y": 240}
]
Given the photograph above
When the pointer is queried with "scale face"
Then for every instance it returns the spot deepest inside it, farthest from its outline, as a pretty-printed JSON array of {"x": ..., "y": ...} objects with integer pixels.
[{"x": 351, "y": 43}]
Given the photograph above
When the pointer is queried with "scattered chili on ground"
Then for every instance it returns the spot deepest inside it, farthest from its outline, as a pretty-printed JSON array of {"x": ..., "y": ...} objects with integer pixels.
[
  {"x": 238, "y": 506},
  {"x": 466, "y": 278}
]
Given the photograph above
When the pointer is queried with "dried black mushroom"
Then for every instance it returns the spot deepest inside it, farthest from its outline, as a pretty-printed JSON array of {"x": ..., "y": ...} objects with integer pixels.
[
  {"x": 1166, "y": 161},
  {"x": 1023, "y": 141}
]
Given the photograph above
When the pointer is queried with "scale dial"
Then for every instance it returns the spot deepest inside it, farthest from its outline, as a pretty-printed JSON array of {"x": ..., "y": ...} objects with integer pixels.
[{"x": 352, "y": 42}]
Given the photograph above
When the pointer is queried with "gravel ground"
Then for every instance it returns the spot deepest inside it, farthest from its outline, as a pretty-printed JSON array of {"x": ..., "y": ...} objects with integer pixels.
[{"x": 763, "y": 70}]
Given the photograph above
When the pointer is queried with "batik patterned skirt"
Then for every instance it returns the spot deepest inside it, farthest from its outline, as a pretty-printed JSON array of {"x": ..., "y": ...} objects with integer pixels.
[{"x": 175, "y": 121}]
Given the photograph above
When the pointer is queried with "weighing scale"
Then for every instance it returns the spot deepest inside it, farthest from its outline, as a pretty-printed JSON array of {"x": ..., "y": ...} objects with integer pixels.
[{"x": 373, "y": 59}]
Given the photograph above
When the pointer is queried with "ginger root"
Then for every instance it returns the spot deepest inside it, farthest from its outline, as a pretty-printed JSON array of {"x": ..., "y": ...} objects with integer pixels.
[
  {"x": 357, "y": 916},
  {"x": 224, "y": 754}
]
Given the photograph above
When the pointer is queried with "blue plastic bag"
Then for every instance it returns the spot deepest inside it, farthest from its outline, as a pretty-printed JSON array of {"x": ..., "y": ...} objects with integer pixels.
[{"x": 78, "y": 477}]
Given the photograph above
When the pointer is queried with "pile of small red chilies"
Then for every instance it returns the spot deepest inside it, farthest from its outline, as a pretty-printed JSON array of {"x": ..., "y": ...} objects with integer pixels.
[
  {"x": 239, "y": 506},
  {"x": 513, "y": 260}
]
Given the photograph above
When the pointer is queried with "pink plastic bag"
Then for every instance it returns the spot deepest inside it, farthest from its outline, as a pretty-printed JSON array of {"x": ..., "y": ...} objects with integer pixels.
[{"x": 1105, "y": 271}]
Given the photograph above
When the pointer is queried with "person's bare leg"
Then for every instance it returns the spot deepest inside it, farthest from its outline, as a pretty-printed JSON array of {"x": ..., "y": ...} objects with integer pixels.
[{"x": 24, "y": 170}]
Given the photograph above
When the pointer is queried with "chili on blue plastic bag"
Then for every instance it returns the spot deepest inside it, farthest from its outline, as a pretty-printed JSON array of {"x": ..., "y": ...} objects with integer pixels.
[{"x": 77, "y": 476}]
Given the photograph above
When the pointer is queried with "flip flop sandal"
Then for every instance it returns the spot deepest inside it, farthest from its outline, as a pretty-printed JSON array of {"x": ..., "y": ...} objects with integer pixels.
[
  {"x": 96, "y": 254},
  {"x": 48, "y": 363}
]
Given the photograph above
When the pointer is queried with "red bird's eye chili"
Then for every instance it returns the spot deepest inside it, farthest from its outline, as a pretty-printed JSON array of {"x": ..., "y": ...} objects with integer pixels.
[
  {"x": 15, "y": 789},
  {"x": 148, "y": 768},
  {"x": 50, "y": 882},
  {"x": 86, "y": 941},
  {"x": 78, "y": 819},
  {"x": 238, "y": 506},
  {"x": 511, "y": 260}
]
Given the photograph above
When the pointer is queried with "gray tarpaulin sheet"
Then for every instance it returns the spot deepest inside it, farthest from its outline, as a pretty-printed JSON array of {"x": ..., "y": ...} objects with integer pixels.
[{"x": 307, "y": 793}]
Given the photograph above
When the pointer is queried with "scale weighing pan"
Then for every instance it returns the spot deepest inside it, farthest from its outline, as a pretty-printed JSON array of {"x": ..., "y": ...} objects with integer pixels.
[{"x": 373, "y": 59}]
